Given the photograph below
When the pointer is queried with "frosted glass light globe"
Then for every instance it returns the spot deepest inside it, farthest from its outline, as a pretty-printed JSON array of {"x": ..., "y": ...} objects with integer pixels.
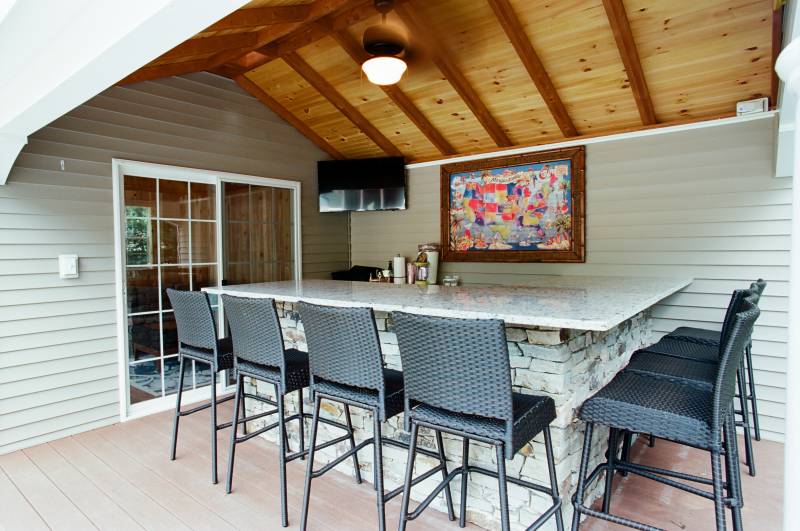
[{"x": 384, "y": 70}]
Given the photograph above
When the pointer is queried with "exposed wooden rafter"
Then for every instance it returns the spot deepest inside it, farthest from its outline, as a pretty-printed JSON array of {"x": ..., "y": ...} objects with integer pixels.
[
  {"x": 210, "y": 45},
  {"x": 777, "y": 44},
  {"x": 615, "y": 10},
  {"x": 522, "y": 44},
  {"x": 284, "y": 113},
  {"x": 321, "y": 10},
  {"x": 357, "y": 53},
  {"x": 443, "y": 60},
  {"x": 262, "y": 16},
  {"x": 331, "y": 94}
]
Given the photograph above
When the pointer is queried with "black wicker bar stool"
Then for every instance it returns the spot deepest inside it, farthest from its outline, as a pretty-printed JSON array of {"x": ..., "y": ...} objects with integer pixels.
[
  {"x": 685, "y": 357},
  {"x": 259, "y": 353},
  {"x": 347, "y": 367},
  {"x": 712, "y": 338},
  {"x": 676, "y": 411},
  {"x": 458, "y": 380},
  {"x": 198, "y": 342}
]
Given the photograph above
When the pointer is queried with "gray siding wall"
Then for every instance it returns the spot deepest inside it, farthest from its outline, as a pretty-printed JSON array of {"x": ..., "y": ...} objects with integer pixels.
[
  {"x": 699, "y": 204},
  {"x": 58, "y": 359}
]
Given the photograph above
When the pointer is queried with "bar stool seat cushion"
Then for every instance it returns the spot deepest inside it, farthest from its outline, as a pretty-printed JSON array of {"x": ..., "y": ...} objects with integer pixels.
[
  {"x": 699, "y": 335},
  {"x": 369, "y": 397},
  {"x": 643, "y": 404},
  {"x": 685, "y": 349},
  {"x": 224, "y": 353},
  {"x": 696, "y": 373},
  {"x": 297, "y": 374},
  {"x": 532, "y": 414}
]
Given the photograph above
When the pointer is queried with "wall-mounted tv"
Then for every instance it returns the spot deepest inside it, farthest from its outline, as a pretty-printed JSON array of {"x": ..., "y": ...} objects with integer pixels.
[{"x": 362, "y": 184}]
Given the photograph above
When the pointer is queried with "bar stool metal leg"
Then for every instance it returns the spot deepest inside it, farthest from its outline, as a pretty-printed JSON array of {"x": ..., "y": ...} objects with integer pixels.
[
  {"x": 378, "y": 468},
  {"x": 751, "y": 382},
  {"x": 174, "y": 446},
  {"x": 612, "y": 456},
  {"x": 505, "y": 523},
  {"x": 213, "y": 425},
  {"x": 352, "y": 442},
  {"x": 232, "y": 448},
  {"x": 412, "y": 450},
  {"x": 748, "y": 441},
  {"x": 443, "y": 459},
  {"x": 587, "y": 446},
  {"x": 551, "y": 470},
  {"x": 310, "y": 465},
  {"x": 627, "y": 440},
  {"x": 282, "y": 449},
  {"x": 243, "y": 406},
  {"x": 462, "y": 513},
  {"x": 302, "y": 421},
  {"x": 719, "y": 505},
  {"x": 732, "y": 477}
]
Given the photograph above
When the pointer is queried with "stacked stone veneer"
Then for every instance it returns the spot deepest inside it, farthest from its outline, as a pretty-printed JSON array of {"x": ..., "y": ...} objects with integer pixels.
[{"x": 568, "y": 365}]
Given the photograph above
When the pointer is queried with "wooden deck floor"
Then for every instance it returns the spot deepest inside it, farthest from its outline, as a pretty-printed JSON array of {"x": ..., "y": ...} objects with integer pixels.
[{"x": 119, "y": 478}]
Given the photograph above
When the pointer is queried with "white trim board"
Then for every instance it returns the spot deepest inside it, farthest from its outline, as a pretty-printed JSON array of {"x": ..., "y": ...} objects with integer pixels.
[
  {"x": 121, "y": 167},
  {"x": 578, "y": 141}
]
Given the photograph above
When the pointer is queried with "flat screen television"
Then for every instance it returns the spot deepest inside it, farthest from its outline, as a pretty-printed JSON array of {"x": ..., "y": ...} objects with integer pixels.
[{"x": 362, "y": 184}]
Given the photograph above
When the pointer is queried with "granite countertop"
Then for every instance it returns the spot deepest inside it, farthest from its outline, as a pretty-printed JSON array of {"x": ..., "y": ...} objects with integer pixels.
[{"x": 577, "y": 302}]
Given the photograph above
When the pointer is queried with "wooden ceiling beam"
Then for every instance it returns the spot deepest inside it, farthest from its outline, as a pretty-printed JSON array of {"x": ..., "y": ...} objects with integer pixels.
[
  {"x": 357, "y": 53},
  {"x": 172, "y": 69},
  {"x": 615, "y": 10},
  {"x": 261, "y": 16},
  {"x": 530, "y": 59},
  {"x": 265, "y": 52},
  {"x": 331, "y": 94},
  {"x": 777, "y": 44},
  {"x": 210, "y": 45},
  {"x": 442, "y": 59},
  {"x": 258, "y": 93}
]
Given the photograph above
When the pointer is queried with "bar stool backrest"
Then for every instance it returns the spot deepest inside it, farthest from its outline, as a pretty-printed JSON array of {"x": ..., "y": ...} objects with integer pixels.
[
  {"x": 758, "y": 287},
  {"x": 459, "y": 365},
  {"x": 194, "y": 319},
  {"x": 343, "y": 345},
  {"x": 732, "y": 351},
  {"x": 256, "y": 330}
]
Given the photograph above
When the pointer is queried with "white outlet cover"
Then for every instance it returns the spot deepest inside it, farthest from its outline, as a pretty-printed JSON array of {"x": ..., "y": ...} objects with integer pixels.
[{"x": 68, "y": 266}]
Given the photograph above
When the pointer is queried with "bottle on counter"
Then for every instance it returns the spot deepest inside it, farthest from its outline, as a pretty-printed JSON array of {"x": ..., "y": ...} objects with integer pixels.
[{"x": 423, "y": 268}]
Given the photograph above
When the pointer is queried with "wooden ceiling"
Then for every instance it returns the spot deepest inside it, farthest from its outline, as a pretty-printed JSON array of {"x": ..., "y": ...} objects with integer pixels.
[{"x": 494, "y": 73}]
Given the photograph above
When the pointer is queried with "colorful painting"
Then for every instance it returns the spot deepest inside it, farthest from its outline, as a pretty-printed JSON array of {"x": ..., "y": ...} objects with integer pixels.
[{"x": 522, "y": 208}]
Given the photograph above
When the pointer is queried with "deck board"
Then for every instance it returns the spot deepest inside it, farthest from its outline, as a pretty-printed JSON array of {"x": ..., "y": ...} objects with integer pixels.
[{"x": 119, "y": 477}]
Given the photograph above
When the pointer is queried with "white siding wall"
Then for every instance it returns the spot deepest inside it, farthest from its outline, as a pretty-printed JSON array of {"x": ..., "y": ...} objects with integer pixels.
[
  {"x": 700, "y": 203},
  {"x": 58, "y": 359}
]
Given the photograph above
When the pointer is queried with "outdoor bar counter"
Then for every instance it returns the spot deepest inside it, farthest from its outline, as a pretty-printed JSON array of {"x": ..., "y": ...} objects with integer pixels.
[{"x": 567, "y": 337}]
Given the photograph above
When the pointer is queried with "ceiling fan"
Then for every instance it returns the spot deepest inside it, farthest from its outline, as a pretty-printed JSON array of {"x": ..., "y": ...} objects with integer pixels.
[{"x": 387, "y": 45}]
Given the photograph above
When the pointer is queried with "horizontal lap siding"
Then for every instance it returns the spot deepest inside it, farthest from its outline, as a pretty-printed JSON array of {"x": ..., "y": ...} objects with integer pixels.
[
  {"x": 58, "y": 358},
  {"x": 700, "y": 203}
]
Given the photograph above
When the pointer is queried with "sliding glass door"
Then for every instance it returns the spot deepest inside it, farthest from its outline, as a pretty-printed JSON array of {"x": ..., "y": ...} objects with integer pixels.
[{"x": 187, "y": 232}]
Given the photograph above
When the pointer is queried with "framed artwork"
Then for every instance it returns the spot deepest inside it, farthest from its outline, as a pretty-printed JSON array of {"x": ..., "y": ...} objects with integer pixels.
[{"x": 524, "y": 208}]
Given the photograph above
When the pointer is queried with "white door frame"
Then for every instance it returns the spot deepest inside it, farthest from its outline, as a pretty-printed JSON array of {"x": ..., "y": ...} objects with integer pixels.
[{"x": 121, "y": 167}]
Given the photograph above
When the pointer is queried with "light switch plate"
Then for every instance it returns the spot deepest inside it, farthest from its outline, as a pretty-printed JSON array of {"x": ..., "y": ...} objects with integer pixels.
[{"x": 68, "y": 266}]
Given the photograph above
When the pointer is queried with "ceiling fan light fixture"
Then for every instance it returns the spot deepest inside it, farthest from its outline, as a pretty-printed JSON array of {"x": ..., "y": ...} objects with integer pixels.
[{"x": 384, "y": 69}]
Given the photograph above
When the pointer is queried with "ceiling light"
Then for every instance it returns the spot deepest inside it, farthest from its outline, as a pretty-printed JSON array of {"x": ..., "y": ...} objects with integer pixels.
[{"x": 384, "y": 70}]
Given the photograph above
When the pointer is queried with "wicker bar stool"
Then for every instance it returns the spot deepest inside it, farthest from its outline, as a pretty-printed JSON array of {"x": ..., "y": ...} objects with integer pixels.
[
  {"x": 686, "y": 356},
  {"x": 198, "y": 342},
  {"x": 458, "y": 380},
  {"x": 259, "y": 353},
  {"x": 712, "y": 337},
  {"x": 676, "y": 411},
  {"x": 347, "y": 367}
]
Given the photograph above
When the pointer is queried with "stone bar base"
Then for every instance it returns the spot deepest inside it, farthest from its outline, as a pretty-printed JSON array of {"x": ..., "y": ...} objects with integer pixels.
[{"x": 568, "y": 365}]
